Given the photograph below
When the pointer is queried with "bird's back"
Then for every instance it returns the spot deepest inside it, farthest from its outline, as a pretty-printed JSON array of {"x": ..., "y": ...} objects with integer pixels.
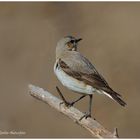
[{"x": 77, "y": 62}]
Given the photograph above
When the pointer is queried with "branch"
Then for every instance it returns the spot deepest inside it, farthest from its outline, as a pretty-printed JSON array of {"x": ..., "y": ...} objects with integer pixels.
[{"x": 96, "y": 129}]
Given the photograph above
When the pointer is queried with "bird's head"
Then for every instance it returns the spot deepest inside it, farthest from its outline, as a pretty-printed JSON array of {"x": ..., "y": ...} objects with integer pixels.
[{"x": 68, "y": 43}]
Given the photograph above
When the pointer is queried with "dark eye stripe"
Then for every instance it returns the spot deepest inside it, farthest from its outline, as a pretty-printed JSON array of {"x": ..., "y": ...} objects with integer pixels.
[{"x": 72, "y": 41}]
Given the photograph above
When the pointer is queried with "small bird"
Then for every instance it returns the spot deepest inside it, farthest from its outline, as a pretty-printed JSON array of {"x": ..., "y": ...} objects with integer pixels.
[{"x": 78, "y": 74}]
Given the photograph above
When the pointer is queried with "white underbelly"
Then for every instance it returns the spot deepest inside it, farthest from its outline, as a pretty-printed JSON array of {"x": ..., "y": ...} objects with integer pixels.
[{"x": 73, "y": 84}]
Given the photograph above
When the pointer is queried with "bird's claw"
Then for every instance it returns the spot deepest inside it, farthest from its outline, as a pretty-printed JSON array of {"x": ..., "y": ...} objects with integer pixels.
[
  {"x": 68, "y": 104},
  {"x": 87, "y": 115}
]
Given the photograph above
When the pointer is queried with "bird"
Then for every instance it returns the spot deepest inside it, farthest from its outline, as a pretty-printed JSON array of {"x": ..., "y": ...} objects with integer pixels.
[{"x": 78, "y": 74}]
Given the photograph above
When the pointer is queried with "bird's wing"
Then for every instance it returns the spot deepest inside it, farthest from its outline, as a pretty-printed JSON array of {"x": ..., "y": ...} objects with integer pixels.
[{"x": 86, "y": 72}]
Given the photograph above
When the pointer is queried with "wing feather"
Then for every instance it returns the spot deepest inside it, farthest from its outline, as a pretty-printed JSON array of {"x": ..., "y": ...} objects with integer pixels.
[{"x": 94, "y": 79}]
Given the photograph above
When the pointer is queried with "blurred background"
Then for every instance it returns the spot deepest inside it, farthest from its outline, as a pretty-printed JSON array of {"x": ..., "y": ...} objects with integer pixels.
[{"x": 28, "y": 36}]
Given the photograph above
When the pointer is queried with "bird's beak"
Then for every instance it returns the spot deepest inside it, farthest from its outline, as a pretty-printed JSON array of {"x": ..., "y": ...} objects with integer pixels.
[{"x": 77, "y": 40}]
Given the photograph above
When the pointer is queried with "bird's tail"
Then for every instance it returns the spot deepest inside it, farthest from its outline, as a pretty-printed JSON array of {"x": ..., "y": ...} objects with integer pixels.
[
  {"x": 115, "y": 96},
  {"x": 118, "y": 100}
]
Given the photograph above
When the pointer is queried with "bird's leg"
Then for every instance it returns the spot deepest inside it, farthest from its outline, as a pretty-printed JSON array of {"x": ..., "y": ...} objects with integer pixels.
[
  {"x": 63, "y": 98},
  {"x": 66, "y": 102},
  {"x": 88, "y": 114},
  {"x": 72, "y": 103}
]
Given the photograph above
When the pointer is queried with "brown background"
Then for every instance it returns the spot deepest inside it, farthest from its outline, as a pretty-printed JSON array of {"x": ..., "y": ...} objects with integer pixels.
[{"x": 28, "y": 36}]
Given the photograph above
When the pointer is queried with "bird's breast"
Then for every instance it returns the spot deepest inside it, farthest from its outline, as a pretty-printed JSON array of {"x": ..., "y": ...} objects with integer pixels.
[{"x": 72, "y": 83}]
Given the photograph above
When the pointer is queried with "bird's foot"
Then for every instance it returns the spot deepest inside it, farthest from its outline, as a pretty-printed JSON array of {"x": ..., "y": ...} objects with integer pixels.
[
  {"x": 87, "y": 115},
  {"x": 68, "y": 104}
]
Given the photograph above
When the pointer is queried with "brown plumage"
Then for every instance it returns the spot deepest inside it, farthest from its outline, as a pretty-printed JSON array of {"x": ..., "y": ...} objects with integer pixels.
[{"x": 93, "y": 79}]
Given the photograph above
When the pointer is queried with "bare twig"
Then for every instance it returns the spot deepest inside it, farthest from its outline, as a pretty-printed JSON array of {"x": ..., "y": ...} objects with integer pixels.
[
  {"x": 96, "y": 129},
  {"x": 116, "y": 133}
]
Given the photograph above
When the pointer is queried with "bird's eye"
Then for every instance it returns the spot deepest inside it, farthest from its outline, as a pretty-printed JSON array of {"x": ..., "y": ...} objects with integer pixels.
[{"x": 72, "y": 41}]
